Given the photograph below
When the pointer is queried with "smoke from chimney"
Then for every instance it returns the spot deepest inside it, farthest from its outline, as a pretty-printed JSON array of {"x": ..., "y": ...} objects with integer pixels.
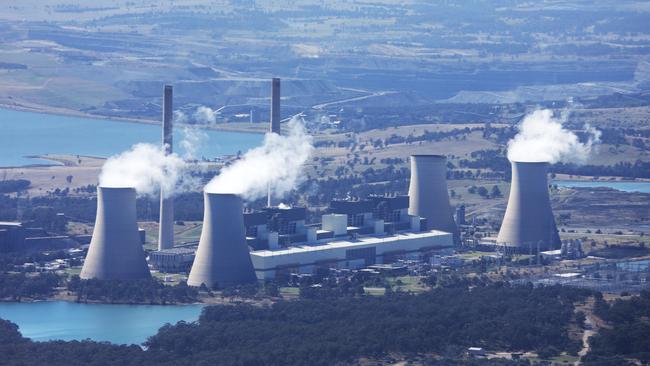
[
  {"x": 542, "y": 138},
  {"x": 277, "y": 162}
]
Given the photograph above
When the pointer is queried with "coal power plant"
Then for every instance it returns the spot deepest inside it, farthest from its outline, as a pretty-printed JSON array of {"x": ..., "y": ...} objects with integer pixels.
[
  {"x": 222, "y": 258},
  {"x": 166, "y": 227},
  {"x": 528, "y": 224},
  {"x": 115, "y": 251},
  {"x": 428, "y": 196}
]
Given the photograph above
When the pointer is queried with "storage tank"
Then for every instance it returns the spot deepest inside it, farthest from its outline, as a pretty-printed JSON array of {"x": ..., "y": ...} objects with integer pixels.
[
  {"x": 528, "y": 221},
  {"x": 222, "y": 259},
  {"x": 115, "y": 251},
  {"x": 428, "y": 196}
]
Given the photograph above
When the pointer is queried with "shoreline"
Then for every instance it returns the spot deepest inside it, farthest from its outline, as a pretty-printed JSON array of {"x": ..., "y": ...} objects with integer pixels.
[{"x": 77, "y": 114}]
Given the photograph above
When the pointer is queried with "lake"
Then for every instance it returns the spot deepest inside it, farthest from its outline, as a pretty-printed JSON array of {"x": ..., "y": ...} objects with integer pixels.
[
  {"x": 120, "y": 324},
  {"x": 642, "y": 187},
  {"x": 27, "y": 133}
]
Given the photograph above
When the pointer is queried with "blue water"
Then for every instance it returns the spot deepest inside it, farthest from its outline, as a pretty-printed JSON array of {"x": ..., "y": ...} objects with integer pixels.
[
  {"x": 643, "y": 187},
  {"x": 26, "y": 133},
  {"x": 121, "y": 324}
]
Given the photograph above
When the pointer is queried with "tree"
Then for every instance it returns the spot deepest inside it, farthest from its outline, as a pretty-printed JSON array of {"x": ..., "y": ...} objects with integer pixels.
[
  {"x": 482, "y": 191},
  {"x": 496, "y": 192}
]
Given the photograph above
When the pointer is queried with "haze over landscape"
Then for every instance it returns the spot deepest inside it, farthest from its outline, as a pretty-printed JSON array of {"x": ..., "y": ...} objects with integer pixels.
[{"x": 366, "y": 182}]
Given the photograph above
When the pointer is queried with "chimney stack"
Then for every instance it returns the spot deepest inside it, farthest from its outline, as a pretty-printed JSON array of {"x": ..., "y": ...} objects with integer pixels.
[
  {"x": 275, "y": 121},
  {"x": 222, "y": 259},
  {"x": 166, "y": 222},
  {"x": 275, "y": 106},
  {"x": 115, "y": 251},
  {"x": 529, "y": 221},
  {"x": 428, "y": 195}
]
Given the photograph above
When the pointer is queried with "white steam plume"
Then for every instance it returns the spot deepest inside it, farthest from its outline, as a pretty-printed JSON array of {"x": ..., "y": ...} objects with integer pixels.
[
  {"x": 146, "y": 168},
  {"x": 542, "y": 138},
  {"x": 277, "y": 162},
  {"x": 205, "y": 115},
  {"x": 191, "y": 141},
  {"x": 180, "y": 117}
]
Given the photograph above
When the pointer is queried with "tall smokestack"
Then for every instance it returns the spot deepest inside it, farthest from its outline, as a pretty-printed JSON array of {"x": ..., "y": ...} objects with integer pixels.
[
  {"x": 115, "y": 250},
  {"x": 166, "y": 222},
  {"x": 428, "y": 195},
  {"x": 275, "y": 106},
  {"x": 222, "y": 259},
  {"x": 528, "y": 221},
  {"x": 275, "y": 120}
]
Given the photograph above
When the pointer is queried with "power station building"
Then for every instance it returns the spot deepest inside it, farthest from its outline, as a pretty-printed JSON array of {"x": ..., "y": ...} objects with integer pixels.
[
  {"x": 528, "y": 224},
  {"x": 346, "y": 252},
  {"x": 355, "y": 234}
]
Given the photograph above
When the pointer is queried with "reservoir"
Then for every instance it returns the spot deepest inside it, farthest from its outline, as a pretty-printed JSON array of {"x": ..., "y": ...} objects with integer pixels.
[
  {"x": 120, "y": 324},
  {"x": 642, "y": 187},
  {"x": 27, "y": 133}
]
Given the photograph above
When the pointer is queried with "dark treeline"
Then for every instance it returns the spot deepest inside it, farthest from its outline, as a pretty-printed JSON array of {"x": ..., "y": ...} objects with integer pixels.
[
  {"x": 495, "y": 160},
  {"x": 338, "y": 330},
  {"x": 149, "y": 291},
  {"x": 14, "y": 185},
  {"x": 19, "y": 286},
  {"x": 629, "y": 336},
  {"x": 638, "y": 169},
  {"x": 331, "y": 330},
  {"x": 42, "y": 210}
]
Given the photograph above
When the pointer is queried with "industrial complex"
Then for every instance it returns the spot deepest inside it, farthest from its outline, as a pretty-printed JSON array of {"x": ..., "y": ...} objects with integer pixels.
[{"x": 239, "y": 246}]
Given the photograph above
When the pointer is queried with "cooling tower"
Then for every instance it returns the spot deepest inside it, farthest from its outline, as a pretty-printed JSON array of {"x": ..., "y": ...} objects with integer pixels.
[
  {"x": 115, "y": 250},
  {"x": 222, "y": 259},
  {"x": 166, "y": 222},
  {"x": 529, "y": 221},
  {"x": 428, "y": 195}
]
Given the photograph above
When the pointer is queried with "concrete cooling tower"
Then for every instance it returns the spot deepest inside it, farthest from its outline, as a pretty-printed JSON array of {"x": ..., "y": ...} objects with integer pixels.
[
  {"x": 428, "y": 195},
  {"x": 115, "y": 250},
  {"x": 529, "y": 221},
  {"x": 222, "y": 259}
]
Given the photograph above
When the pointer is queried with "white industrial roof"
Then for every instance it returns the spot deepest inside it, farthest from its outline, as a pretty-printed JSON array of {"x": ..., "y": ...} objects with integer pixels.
[{"x": 361, "y": 241}]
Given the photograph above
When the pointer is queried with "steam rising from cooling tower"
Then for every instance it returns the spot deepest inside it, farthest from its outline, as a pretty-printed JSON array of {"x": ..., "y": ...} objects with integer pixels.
[
  {"x": 542, "y": 137},
  {"x": 277, "y": 162},
  {"x": 528, "y": 221},
  {"x": 222, "y": 258},
  {"x": 428, "y": 195},
  {"x": 146, "y": 168},
  {"x": 115, "y": 250}
]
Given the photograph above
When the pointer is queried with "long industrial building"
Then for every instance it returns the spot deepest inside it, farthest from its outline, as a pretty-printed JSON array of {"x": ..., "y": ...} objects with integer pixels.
[
  {"x": 343, "y": 252},
  {"x": 355, "y": 234}
]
